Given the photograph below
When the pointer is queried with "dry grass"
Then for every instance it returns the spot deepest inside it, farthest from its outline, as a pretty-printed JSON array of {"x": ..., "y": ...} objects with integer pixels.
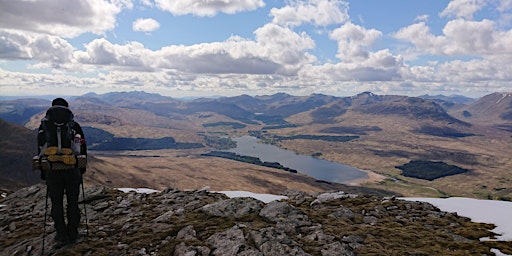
[
  {"x": 187, "y": 170},
  {"x": 488, "y": 156}
]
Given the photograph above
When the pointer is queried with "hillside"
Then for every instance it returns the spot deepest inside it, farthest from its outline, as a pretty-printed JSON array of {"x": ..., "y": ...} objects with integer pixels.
[
  {"x": 368, "y": 131},
  {"x": 198, "y": 222},
  {"x": 495, "y": 108},
  {"x": 17, "y": 147},
  {"x": 20, "y": 111}
]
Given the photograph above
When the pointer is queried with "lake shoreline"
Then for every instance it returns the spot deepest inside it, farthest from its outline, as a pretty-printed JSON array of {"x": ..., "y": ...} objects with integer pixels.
[
  {"x": 372, "y": 177},
  {"x": 319, "y": 169}
]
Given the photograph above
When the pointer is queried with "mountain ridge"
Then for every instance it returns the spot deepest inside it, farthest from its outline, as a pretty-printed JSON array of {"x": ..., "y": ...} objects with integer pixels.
[{"x": 199, "y": 222}]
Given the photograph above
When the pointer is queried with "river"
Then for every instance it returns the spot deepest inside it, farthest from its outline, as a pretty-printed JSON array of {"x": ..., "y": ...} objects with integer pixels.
[{"x": 317, "y": 168}]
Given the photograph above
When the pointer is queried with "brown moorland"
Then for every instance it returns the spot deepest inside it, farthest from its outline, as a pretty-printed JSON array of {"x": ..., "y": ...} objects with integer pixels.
[{"x": 391, "y": 130}]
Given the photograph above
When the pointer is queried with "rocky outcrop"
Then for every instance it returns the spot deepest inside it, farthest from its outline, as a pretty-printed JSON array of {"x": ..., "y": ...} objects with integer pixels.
[{"x": 175, "y": 222}]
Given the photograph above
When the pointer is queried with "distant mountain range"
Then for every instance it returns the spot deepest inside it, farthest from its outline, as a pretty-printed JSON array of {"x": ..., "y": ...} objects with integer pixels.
[
  {"x": 121, "y": 114},
  {"x": 269, "y": 108}
]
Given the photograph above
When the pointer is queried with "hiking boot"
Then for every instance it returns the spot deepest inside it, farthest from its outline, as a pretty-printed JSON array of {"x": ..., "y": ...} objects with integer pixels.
[
  {"x": 77, "y": 239},
  {"x": 60, "y": 241}
]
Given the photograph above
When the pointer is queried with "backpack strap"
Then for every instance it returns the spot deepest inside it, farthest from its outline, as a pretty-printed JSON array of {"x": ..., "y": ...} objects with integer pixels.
[
  {"x": 59, "y": 140},
  {"x": 44, "y": 126}
]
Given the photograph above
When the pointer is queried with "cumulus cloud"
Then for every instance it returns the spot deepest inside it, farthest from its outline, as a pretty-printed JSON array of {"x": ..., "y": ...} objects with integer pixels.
[
  {"x": 378, "y": 66},
  {"x": 16, "y": 45},
  {"x": 276, "y": 50},
  {"x": 353, "y": 41},
  {"x": 316, "y": 12},
  {"x": 460, "y": 37},
  {"x": 463, "y": 8},
  {"x": 131, "y": 56},
  {"x": 208, "y": 8},
  {"x": 145, "y": 25},
  {"x": 66, "y": 18}
]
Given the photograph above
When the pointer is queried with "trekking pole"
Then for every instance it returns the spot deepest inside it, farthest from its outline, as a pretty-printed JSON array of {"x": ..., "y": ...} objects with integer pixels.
[
  {"x": 44, "y": 219},
  {"x": 85, "y": 208}
]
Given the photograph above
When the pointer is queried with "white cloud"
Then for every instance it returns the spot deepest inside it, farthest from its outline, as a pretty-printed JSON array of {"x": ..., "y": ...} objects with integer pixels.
[
  {"x": 130, "y": 56},
  {"x": 378, "y": 66},
  {"x": 317, "y": 12},
  {"x": 145, "y": 25},
  {"x": 66, "y": 18},
  {"x": 504, "y": 5},
  {"x": 277, "y": 59},
  {"x": 423, "y": 17},
  {"x": 276, "y": 50},
  {"x": 353, "y": 41},
  {"x": 16, "y": 45},
  {"x": 208, "y": 8},
  {"x": 461, "y": 38},
  {"x": 463, "y": 8}
]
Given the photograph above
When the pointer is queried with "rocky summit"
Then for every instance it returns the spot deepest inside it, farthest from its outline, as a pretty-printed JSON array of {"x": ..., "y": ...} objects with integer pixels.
[{"x": 199, "y": 222}]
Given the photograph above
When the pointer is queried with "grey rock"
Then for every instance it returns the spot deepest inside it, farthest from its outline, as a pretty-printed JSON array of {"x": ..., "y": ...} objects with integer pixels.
[
  {"x": 336, "y": 249},
  {"x": 236, "y": 207},
  {"x": 187, "y": 233},
  {"x": 199, "y": 223},
  {"x": 164, "y": 217},
  {"x": 190, "y": 250},
  {"x": 343, "y": 212},
  {"x": 229, "y": 242}
]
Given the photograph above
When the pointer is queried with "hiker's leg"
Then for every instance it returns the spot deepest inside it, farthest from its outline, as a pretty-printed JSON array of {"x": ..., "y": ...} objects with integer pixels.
[
  {"x": 73, "y": 179},
  {"x": 55, "y": 186}
]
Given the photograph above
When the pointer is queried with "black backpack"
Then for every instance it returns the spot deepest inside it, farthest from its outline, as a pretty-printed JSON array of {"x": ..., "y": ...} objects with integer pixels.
[{"x": 59, "y": 141}]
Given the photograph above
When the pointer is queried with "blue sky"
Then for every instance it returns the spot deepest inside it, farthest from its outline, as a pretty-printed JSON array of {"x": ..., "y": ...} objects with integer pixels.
[{"x": 223, "y": 47}]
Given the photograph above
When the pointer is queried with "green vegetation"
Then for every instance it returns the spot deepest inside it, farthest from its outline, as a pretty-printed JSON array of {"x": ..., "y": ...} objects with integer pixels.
[
  {"x": 96, "y": 136},
  {"x": 234, "y": 125},
  {"x": 276, "y": 138},
  {"x": 144, "y": 144},
  {"x": 360, "y": 130},
  {"x": 271, "y": 127},
  {"x": 219, "y": 142},
  {"x": 429, "y": 170},
  {"x": 442, "y": 132},
  {"x": 248, "y": 159},
  {"x": 98, "y": 139}
]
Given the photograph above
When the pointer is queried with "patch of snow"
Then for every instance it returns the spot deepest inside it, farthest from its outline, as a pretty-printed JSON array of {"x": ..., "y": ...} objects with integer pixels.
[
  {"x": 139, "y": 190},
  {"x": 498, "y": 252},
  {"x": 266, "y": 198},
  {"x": 484, "y": 211},
  {"x": 504, "y": 95}
]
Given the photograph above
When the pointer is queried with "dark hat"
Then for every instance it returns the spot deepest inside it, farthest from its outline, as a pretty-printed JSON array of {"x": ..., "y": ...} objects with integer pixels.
[{"x": 60, "y": 102}]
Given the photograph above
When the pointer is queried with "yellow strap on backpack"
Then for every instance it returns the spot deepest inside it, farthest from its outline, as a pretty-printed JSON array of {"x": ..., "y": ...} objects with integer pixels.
[
  {"x": 66, "y": 155},
  {"x": 55, "y": 150}
]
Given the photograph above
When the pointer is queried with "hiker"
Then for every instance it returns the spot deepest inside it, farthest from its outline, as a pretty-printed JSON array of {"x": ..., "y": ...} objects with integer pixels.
[{"x": 57, "y": 133}]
